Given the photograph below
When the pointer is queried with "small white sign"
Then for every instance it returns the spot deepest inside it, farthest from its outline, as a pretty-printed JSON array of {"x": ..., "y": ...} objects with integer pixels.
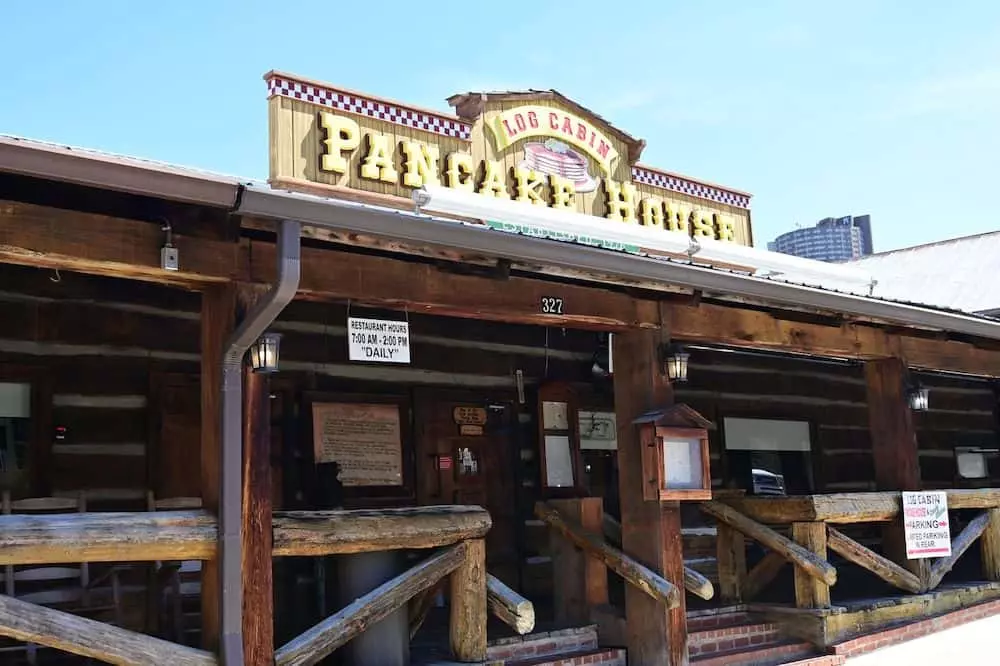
[
  {"x": 926, "y": 524},
  {"x": 378, "y": 340}
]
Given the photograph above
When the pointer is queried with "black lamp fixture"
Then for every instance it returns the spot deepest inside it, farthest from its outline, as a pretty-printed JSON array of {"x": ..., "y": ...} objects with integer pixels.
[
  {"x": 264, "y": 353},
  {"x": 675, "y": 362}
]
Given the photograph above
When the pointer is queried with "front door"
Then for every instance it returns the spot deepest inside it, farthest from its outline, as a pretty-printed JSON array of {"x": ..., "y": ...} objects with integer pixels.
[{"x": 467, "y": 446}]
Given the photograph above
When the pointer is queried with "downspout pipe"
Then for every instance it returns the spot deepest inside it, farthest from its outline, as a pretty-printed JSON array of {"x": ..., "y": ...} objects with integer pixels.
[{"x": 253, "y": 325}]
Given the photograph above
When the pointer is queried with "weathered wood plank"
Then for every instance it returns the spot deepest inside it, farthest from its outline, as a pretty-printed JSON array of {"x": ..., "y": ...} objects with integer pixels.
[
  {"x": 990, "y": 546},
  {"x": 847, "y": 508},
  {"x": 959, "y": 545},
  {"x": 579, "y": 580},
  {"x": 731, "y": 558},
  {"x": 314, "y": 533},
  {"x": 802, "y": 558},
  {"x": 107, "y": 537},
  {"x": 467, "y": 623},
  {"x": 865, "y": 558},
  {"x": 697, "y": 584},
  {"x": 514, "y": 610},
  {"x": 763, "y": 574},
  {"x": 635, "y": 573},
  {"x": 316, "y": 643},
  {"x": 809, "y": 591},
  {"x": 96, "y": 640}
]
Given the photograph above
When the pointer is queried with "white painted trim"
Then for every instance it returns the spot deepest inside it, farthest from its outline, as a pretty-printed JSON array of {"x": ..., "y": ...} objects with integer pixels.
[
  {"x": 131, "y": 450},
  {"x": 99, "y": 401}
]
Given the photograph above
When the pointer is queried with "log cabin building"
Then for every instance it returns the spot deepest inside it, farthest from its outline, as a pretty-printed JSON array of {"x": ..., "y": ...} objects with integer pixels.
[{"x": 533, "y": 400}]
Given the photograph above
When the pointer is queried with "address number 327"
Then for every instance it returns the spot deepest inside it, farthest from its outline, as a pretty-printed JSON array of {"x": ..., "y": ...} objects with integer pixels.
[{"x": 552, "y": 305}]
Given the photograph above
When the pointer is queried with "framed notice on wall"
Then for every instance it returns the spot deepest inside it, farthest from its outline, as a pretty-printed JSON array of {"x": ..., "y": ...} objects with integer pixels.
[{"x": 365, "y": 439}]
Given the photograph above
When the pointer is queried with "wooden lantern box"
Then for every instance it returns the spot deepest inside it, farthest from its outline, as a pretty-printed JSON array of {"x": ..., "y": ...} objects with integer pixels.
[{"x": 675, "y": 457}]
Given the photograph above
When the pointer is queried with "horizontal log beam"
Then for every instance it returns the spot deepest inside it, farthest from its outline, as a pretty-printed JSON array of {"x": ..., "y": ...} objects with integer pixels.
[
  {"x": 959, "y": 545},
  {"x": 315, "y": 644},
  {"x": 867, "y": 559},
  {"x": 31, "y": 623},
  {"x": 44, "y": 237},
  {"x": 847, "y": 508},
  {"x": 107, "y": 537},
  {"x": 192, "y": 534},
  {"x": 808, "y": 562},
  {"x": 632, "y": 571},
  {"x": 697, "y": 584},
  {"x": 316, "y": 533},
  {"x": 510, "y": 607}
]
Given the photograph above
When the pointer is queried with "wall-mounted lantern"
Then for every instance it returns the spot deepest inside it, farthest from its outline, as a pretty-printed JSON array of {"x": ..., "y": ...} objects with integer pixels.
[
  {"x": 918, "y": 397},
  {"x": 675, "y": 362},
  {"x": 675, "y": 456},
  {"x": 264, "y": 353}
]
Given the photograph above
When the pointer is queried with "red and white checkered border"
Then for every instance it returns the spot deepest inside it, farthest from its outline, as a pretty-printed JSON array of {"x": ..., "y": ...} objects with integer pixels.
[
  {"x": 379, "y": 110},
  {"x": 675, "y": 184}
]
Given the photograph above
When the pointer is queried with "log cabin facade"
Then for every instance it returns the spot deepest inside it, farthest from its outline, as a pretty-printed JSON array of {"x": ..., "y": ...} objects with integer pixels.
[{"x": 119, "y": 376}]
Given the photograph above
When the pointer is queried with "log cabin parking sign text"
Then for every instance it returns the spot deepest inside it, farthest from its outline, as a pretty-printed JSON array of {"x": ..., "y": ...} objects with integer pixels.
[
  {"x": 413, "y": 163},
  {"x": 926, "y": 524}
]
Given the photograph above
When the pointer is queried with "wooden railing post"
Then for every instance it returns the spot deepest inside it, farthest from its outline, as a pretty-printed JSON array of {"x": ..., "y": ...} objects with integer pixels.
[
  {"x": 731, "y": 559},
  {"x": 810, "y": 592},
  {"x": 990, "y": 545},
  {"x": 468, "y": 605},
  {"x": 580, "y": 581}
]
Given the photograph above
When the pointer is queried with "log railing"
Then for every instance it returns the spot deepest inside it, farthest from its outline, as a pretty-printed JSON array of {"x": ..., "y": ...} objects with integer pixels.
[
  {"x": 594, "y": 546},
  {"x": 812, "y": 521},
  {"x": 694, "y": 582},
  {"x": 456, "y": 532}
]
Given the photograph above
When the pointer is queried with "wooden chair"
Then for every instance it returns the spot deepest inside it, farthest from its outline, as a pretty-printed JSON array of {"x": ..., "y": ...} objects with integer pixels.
[
  {"x": 65, "y": 587},
  {"x": 176, "y": 586}
]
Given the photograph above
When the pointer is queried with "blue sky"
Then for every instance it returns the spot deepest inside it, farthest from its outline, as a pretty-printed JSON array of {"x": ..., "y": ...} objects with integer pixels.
[{"x": 834, "y": 108}]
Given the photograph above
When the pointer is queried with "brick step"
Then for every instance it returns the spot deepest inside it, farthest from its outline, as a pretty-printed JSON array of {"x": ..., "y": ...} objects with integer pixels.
[
  {"x": 543, "y": 644},
  {"x": 770, "y": 655},
  {"x": 718, "y": 618},
  {"x": 735, "y": 637},
  {"x": 824, "y": 660},
  {"x": 605, "y": 657}
]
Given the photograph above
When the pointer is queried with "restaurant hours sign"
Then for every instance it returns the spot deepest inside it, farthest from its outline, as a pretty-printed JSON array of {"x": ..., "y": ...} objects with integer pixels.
[
  {"x": 378, "y": 340},
  {"x": 926, "y": 524}
]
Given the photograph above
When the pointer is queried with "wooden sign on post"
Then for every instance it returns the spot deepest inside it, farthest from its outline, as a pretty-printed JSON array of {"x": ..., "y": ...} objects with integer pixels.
[{"x": 365, "y": 439}]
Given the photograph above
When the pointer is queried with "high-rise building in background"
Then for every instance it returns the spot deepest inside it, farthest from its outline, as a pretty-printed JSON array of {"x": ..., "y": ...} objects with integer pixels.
[{"x": 832, "y": 239}]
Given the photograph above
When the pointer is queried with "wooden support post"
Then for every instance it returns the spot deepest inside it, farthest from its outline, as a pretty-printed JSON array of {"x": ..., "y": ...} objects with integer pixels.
[
  {"x": 894, "y": 448},
  {"x": 959, "y": 545},
  {"x": 810, "y": 592},
  {"x": 580, "y": 581},
  {"x": 731, "y": 559},
  {"x": 651, "y": 531},
  {"x": 990, "y": 545},
  {"x": 255, "y": 531},
  {"x": 468, "y": 605},
  {"x": 218, "y": 313}
]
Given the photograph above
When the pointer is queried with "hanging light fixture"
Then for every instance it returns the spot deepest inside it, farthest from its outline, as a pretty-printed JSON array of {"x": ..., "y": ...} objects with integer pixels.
[
  {"x": 675, "y": 363},
  {"x": 918, "y": 396},
  {"x": 264, "y": 353}
]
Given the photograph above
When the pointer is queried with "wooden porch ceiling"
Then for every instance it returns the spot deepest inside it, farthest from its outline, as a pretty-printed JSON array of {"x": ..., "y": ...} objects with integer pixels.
[{"x": 45, "y": 237}]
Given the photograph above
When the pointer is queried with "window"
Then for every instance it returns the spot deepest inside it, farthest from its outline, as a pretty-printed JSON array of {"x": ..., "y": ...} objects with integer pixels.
[{"x": 15, "y": 431}]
